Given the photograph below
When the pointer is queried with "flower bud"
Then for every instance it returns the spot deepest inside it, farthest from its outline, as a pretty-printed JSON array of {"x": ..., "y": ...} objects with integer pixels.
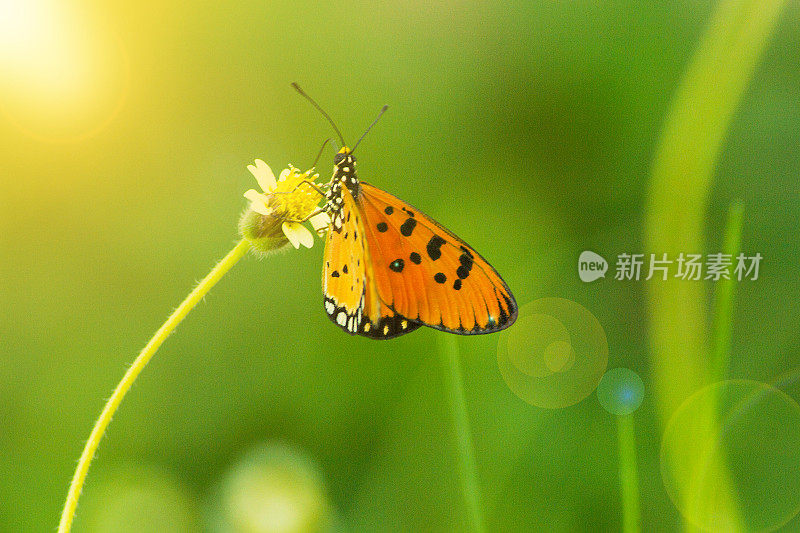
[{"x": 263, "y": 232}]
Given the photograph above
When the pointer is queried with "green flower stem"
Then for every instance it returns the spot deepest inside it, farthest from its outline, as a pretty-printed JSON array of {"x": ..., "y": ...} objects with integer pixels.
[
  {"x": 725, "y": 294},
  {"x": 628, "y": 475},
  {"x": 466, "y": 464},
  {"x": 138, "y": 365}
]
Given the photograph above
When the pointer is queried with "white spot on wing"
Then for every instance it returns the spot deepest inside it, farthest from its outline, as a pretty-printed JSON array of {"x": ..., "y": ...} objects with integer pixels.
[{"x": 341, "y": 318}]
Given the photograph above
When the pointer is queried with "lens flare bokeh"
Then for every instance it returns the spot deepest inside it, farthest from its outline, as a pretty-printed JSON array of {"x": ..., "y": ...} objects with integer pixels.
[
  {"x": 620, "y": 391},
  {"x": 756, "y": 441},
  {"x": 554, "y": 355}
]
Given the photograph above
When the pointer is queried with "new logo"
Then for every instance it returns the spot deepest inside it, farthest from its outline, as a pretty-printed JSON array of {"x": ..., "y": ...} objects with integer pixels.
[{"x": 591, "y": 266}]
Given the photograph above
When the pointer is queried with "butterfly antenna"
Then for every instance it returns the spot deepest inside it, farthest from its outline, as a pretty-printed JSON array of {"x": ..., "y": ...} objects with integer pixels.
[
  {"x": 380, "y": 114},
  {"x": 324, "y": 114}
]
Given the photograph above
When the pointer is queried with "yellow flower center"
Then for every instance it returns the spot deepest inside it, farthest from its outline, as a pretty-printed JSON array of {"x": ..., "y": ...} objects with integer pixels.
[{"x": 294, "y": 199}]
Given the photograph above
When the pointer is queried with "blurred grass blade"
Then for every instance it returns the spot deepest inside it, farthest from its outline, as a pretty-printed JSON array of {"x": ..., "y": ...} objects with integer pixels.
[
  {"x": 466, "y": 464},
  {"x": 725, "y": 293},
  {"x": 694, "y": 130},
  {"x": 628, "y": 474},
  {"x": 691, "y": 140}
]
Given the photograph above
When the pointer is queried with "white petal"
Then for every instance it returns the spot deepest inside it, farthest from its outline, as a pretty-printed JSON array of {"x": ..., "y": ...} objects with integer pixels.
[
  {"x": 258, "y": 202},
  {"x": 284, "y": 174},
  {"x": 263, "y": 175},
  {"x": 320, "y": 221},
  {"x": 298, "y": 234},
  {"x": 260, "y": 208},
  {"x": 253, "y": 195},
  {"x": 290, "y": 234}
]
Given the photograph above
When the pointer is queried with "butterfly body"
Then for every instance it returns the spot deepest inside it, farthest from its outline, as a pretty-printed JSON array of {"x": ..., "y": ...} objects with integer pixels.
[{"x": 390, "y": 269}]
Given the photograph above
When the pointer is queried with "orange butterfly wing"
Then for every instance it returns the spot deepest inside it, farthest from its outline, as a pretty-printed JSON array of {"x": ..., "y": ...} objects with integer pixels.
[
  {"x": 351, "y": 298},
  {"x": 424, "y": 273}
]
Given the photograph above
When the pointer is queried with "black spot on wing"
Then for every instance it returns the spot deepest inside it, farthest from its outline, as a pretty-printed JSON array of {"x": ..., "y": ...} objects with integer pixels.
[
  {"x": 407, "y": 228},
  {"x": 434, "y": 245},
  {"x": 439, "y": 277},
  {"x": 397, "y": 265},
  {"x": 415, "y": 258},
  {"x": 382, "y": 226},
  {"x": 389, "y": 210}
]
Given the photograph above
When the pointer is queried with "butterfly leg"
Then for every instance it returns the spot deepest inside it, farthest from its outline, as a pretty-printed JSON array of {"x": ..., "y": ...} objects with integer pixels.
[
  {"x": 317, "y": 212},
  {"x": 304, "y": 182},
  {"x": 319, "y": 154},
  {"x": 313, "y": 186},
  {"x": 306, "y": 219}
]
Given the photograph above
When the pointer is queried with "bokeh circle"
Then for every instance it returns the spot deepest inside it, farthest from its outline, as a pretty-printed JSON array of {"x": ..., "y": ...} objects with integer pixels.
[
  {"x": 620, "y": 391},
  {"x": 135, "y": 498},
  {"x": 554, "y": 355},
  {"x": 274, "y": 488},
  {"x": 730, "y": 457}
]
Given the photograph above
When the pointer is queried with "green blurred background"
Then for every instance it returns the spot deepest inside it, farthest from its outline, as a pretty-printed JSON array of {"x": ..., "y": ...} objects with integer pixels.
[{"x": 528, "y": 128}]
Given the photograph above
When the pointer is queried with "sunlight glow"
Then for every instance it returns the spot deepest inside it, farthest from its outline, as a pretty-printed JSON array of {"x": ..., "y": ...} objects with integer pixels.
[{"x": 64, "y": 76}]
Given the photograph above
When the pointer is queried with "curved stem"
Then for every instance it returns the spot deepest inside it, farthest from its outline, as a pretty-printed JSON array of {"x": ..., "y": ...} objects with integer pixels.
[{"x": 138, "y": 365}]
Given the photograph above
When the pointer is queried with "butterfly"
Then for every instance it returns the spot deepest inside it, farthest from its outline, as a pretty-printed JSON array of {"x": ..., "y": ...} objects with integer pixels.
[{"x": 389, "y": 269}]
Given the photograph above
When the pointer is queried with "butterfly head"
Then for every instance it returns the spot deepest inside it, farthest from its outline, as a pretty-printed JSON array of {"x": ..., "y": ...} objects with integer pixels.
[{"x": 343, "y": 156}]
